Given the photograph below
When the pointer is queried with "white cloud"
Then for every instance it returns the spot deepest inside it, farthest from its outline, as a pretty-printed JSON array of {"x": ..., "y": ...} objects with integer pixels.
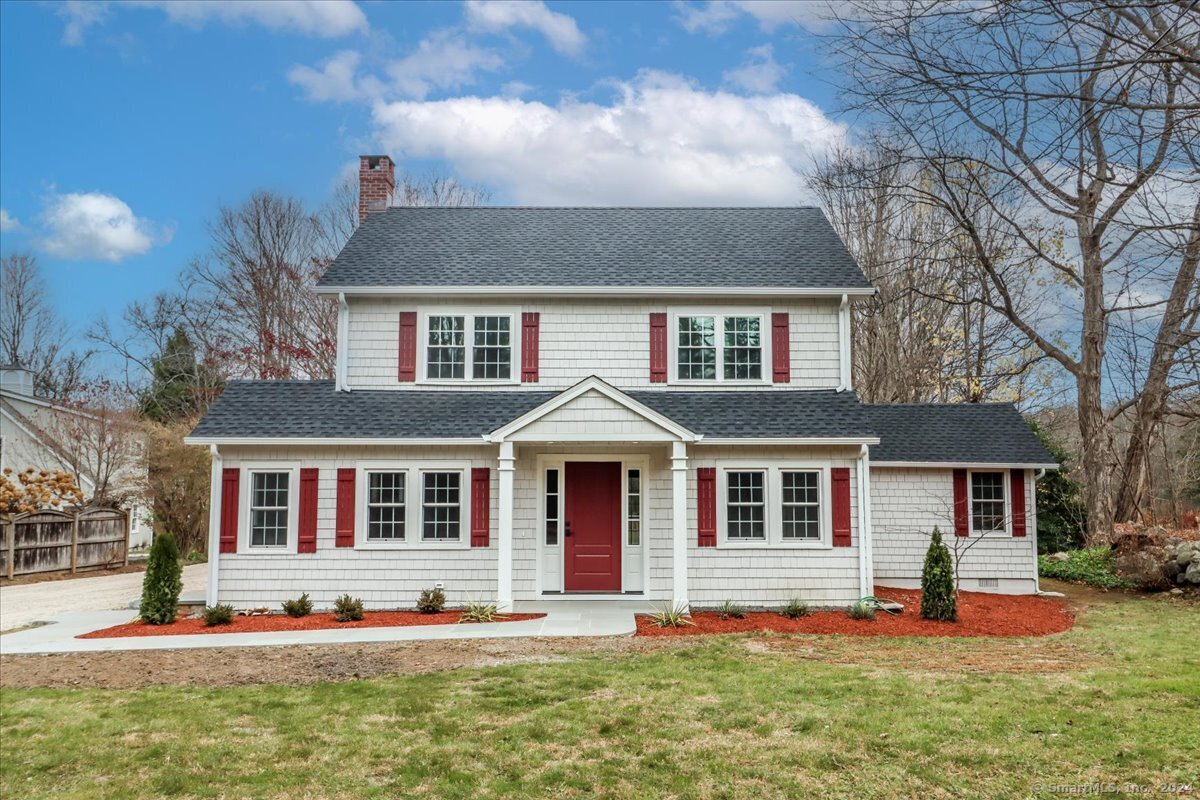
[
  {"x": 498, "y": 16},
  {"x": 80, "y": 15},
  {"x": 759, "y": 74},
  {"x": 660, "y": 140},
  {"x": 320, "y": 18},
  {"x": 96, "y": 226},
  {"x": 7, "y": 222},
  {"x": 442, "y": 60},
  {"x": 716, "y": 16}
]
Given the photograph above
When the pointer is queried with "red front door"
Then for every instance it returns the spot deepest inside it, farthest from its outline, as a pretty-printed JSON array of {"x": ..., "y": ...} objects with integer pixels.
[{"x": 593, "y": 526}]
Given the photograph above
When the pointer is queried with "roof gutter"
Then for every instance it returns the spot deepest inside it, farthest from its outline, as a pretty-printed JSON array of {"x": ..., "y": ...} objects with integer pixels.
[{"x": 603, "y": 291}]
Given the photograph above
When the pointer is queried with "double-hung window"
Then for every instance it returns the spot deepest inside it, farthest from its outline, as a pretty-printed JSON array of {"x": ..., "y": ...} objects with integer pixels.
[
  {"x": 719, "y": 347},
  {"x": 987, "y": 502},
  {"x": 441, "y": 506},
  {"x": 269, "y": 509},
  {"x": 386, "y": 506},
  {"x": 472, "y": 347},
  {"x": 774, "y": 505}
]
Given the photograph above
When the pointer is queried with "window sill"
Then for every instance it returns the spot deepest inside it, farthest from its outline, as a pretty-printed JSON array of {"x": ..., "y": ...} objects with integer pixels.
[
  {"x": 725, "y": 545},
  {"x": 466, "y": 382},
  {"x": 420, "y": 546},
  {"x": 715, "y": 382}
]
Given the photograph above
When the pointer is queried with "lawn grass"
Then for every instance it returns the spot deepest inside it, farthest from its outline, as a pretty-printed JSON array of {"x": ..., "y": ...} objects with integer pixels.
[{"x": 723, "y": 718}]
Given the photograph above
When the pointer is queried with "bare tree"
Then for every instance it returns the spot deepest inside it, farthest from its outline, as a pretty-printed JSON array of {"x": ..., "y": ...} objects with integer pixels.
[
  {"x": 96, "y": 436},
  {"x": 1074, "y": 136},
  {"x": 31, "y": 334}
]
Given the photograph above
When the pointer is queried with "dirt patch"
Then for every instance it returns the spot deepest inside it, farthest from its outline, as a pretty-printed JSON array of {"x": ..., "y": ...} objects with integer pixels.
[
  {"x": 297, "y": 665},
  {"x": 266, "y": 623},
  {"x": 45, "y": 577},
  {"x": 979, "y": 615}
]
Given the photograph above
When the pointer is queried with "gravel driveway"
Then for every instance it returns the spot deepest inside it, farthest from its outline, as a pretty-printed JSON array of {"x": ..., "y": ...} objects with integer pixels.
[{"x": 25, "y": 603}]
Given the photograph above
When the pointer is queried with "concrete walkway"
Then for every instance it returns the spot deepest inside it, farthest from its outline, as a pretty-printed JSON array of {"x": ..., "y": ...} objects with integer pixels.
[
  {"x": 26, "y": 603},
  {"x": 563, "y": 619}
]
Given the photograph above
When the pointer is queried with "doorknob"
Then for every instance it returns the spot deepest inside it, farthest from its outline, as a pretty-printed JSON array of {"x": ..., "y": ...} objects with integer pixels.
[{"x": 567, "y": 528}]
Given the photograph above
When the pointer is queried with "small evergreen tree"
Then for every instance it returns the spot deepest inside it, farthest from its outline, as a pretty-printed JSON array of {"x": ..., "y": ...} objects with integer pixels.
[
  {"x": 938, "y": 600},
  {"x": 163, "y": 582}
]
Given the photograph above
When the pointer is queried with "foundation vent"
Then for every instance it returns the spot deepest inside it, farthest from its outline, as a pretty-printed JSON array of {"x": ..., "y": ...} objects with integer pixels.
[{"x": 989, "y": 583}]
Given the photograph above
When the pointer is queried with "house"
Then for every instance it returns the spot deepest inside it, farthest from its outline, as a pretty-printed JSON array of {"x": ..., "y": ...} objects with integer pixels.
[
  {"x": 542, "y": 403},
  {"x": 48, "y": 434}
]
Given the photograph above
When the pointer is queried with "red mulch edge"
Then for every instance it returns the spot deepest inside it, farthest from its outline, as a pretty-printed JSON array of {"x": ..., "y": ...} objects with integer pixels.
[
  {"x": 979, "y": 614},
  {"x": 266, "y": 623}
]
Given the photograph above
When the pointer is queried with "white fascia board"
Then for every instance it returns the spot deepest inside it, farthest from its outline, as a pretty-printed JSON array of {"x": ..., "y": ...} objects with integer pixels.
[
  {"x": 592, "y": 383},
  {"x": 961, "y": 465},
  {"x": 602, "y": 291},
  {"x": 854, "y": 441},
  {"x": 267, "y": 441}
]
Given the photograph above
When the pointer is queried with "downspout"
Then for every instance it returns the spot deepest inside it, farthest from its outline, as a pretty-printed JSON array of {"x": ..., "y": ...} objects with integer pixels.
[
  {"x": 343, "y": 325},
  {"x": 1037, "y": 578},
  {"x": 865, "y": 569},
  {"x": 214, "y": 524},
  {"x": 844, "y": 344}
]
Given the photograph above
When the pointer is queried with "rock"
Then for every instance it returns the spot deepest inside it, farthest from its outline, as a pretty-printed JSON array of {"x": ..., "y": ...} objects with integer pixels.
[
  {"x": 1176, "y": 591},
  {"x": 1192, "y": 575},
  {"x": 1172, "y": 569},
  {"x": 1185, "y": 553},
  {"x": 1145, "y": 568},
  {"x": 1058, "y": 557}
]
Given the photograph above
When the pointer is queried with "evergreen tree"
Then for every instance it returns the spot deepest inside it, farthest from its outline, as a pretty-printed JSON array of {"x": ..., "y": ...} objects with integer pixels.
[
  {"x": 163, "y": 582},
  {"x": 938, "y": 600},
  {"x": 179, "y": 384},
  {"x": 1061, "y": 515}
]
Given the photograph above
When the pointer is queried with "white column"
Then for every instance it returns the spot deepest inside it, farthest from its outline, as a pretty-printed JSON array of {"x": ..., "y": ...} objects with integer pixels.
[
  {"x": 214, "y": 523},
  {"x": 866, "y": 559},
  {"x": 679, "y": 529},
  {"x": 504, "y": 592}
]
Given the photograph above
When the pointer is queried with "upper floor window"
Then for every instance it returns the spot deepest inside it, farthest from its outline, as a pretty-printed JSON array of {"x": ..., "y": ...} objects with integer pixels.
[
  {"x": 987, "y": 502},
  {"x": 469, "y": 347},
  {"x": 719, "y": 347}
]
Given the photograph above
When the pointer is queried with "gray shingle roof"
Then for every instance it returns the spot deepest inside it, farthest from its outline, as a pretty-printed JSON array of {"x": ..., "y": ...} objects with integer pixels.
[
  {"x": 313, "y": 409},
  {"x": 775, "y": 414},
  {"x": 596, "y": 247},
  {"x": 989, "y": 433}
]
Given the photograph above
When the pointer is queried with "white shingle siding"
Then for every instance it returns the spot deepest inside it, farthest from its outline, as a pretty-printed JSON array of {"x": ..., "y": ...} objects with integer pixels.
[
  {"x": 597, "y": 415},
  {"x": 578, "y": 338},
  {"x": 906, "y": 505}
]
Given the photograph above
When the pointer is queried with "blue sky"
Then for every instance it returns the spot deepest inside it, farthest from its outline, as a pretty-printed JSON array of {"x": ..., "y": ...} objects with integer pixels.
[{"x": 124, "y": 125}]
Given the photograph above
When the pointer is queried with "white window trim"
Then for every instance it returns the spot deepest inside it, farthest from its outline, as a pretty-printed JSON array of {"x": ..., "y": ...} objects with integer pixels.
[
  {"x": 1005, "y": 477},
  {"x": 413, "y": 509},
  {"x": 774, "y": 505},
  {"x": 468, "y": 314},
  {"x": 245, "y": 484},
  {"x": 719, "y": 313}
]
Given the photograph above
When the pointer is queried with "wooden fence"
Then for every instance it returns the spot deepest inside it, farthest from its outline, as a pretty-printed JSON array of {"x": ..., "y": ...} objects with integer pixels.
[{"x": 53, "y": 541}]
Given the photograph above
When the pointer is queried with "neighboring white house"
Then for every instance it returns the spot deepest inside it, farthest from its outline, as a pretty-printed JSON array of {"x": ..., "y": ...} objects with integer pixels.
[
  {"x": 541, "y": 403},
  {"x": 32, "y": 432}
]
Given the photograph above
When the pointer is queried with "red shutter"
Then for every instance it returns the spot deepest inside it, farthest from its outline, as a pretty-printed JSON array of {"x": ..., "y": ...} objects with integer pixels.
[
  {"x": 658, "y": 347},
  {"x": 529, "y": 347},
  {"x": 706, "y": 506},
  {"x": 781, "y": 356},
  {"x": 408, "y": 346},
  {"x": 230, "y": 478},
  {"x": 306, "y": 542},
  {"x": 481, "y": 506},
  {"x": 839, "y": 478},
  {"x": 961, "y": 523},
  {"x": 344, "y": 524},
  {"x": 1018, "y": 502}
]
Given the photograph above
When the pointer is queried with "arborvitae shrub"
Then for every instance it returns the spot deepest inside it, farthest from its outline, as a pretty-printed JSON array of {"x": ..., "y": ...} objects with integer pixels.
[
  {"x": 163, "y": 582},
  {"x": 937, "y": 582}
]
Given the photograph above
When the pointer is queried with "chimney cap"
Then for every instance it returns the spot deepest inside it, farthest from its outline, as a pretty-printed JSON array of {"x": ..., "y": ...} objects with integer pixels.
[{"x": 372, "y": 162}]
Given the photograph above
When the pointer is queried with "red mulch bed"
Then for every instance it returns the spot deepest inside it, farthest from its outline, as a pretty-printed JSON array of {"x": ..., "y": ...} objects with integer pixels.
[
  {"x": 979, "y": 614},
  {"x": 282, "y": 622}
]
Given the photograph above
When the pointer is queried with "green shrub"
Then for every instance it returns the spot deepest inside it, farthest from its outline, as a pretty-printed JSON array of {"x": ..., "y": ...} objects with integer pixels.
[
  {"x": 347, "y": 609},
  {"x": 480, "y": 612},
  {"x": 861, "y": 610},
  {"x": 938, "y": 598},
  {"x": 162, "y": 583},
  {"x": 431, "y": 601},
  {"x": 672, "y": 616},
  {"x": 731, "y": 610},
  {"x": 1096, "y": 566},
  {"x": 795, "y": 609},
  {"x": 300, "y": 607},
  {"x": 220, "y": 614}
]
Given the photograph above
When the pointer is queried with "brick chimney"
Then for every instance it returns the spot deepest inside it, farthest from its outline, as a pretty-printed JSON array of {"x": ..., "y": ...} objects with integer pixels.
[{"x": 376, "y": 180}]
